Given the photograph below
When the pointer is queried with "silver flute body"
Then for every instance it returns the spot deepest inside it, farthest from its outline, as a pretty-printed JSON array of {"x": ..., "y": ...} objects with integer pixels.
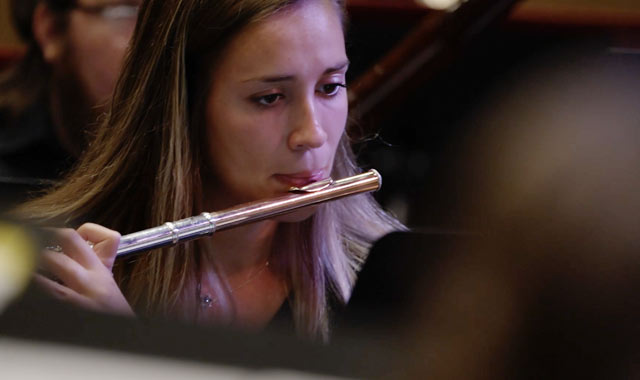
[{"x": 207, "y": 223}]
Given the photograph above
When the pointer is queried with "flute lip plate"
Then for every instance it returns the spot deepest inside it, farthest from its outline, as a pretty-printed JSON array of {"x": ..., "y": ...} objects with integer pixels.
[{"x": 312, "y": 187}]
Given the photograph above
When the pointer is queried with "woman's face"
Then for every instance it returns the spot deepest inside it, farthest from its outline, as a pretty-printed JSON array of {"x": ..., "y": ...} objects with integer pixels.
[{"x": 277, "y": 106}]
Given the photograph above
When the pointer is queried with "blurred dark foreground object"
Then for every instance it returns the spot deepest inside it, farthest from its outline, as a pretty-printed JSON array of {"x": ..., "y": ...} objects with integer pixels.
[
  {"x": 547, "y": 286},
  {"x": 40, "y": 320},
  {"x": 552, "y": 177},
  {"x": 367, "y": 343}
]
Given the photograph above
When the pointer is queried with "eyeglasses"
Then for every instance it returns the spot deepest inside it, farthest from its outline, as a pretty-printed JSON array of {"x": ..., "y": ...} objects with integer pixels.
[{"x": 111, "y": 12}]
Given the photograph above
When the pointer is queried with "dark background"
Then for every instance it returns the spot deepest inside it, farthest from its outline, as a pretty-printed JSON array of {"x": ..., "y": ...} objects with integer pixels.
[{"x": 418, "y": 149}]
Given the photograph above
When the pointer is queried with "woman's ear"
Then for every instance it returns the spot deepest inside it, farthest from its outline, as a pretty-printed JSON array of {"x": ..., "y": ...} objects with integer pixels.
[{"x": 47, "y": 32}]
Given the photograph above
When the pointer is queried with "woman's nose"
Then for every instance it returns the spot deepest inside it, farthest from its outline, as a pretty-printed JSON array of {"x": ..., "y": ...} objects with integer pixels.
[{"x": 307, "y": 132}]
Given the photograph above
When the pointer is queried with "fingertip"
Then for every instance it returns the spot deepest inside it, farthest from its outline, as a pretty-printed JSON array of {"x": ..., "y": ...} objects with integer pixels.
[
  {"x": 68, "y": 233},
  {"x": 95, "y": 232}
]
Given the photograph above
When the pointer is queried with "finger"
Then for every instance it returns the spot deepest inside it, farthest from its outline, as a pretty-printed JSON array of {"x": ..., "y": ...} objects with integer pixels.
[
  {"x": 105, "y": 241},
  {"x": 62, "y": 292},
  {"x": 74, "y": 246},
  {"x": 65, "y": 269}
]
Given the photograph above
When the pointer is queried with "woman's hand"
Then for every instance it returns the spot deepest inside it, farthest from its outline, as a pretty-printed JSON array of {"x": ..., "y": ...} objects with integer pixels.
[{"x": 84, "y": 271}]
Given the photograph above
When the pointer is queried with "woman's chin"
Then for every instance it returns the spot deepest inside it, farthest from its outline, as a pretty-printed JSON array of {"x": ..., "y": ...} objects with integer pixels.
[{"x": 297, "y": 216}]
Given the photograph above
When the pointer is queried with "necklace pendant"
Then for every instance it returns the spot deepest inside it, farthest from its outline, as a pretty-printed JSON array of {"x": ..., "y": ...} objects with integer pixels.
[{"x": 206, "y": 301}]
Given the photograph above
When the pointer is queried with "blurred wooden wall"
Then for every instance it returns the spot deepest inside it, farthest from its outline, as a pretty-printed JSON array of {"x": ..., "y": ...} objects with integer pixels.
[{"x": 528, "y": 9}]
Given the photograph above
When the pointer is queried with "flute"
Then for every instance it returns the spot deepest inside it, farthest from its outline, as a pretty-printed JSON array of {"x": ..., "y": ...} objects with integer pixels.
[{"x": 206, "y": 224}]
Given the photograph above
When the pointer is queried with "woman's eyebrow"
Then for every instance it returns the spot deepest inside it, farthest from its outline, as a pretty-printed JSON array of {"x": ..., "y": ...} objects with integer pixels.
[
  {"x": 271, "y": 79},
  {"x": 339, "y": 67},
  {"x": 284, "y": 78}
]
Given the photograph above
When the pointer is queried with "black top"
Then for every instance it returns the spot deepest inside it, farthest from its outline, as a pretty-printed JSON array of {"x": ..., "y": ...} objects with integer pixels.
[
  {"x": 283, "y": 321},
  {"x": 283, "y": 318},
  {"x": 391, "y": 284}
]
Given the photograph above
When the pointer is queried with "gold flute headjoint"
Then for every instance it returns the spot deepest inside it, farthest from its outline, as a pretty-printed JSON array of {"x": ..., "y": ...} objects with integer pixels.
[{"x": 312, "y": 187}]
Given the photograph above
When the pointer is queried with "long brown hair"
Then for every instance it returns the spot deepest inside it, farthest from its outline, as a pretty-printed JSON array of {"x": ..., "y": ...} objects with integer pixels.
[{"x": 143, "y": 169}]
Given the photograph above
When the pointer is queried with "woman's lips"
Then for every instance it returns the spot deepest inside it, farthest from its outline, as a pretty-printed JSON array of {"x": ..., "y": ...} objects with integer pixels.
[{"x": 300, "y": 179}]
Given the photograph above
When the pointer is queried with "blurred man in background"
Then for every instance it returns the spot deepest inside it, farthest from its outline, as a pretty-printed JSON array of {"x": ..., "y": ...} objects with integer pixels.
[{"x": 52, "y": 96}]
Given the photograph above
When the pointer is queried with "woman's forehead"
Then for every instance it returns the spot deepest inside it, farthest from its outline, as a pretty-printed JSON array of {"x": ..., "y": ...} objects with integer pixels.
[{"x": 309, "y": 33}]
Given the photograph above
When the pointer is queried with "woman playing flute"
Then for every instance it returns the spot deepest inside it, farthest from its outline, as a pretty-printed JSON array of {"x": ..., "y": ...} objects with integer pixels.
[{"x": 219, "y": 103}]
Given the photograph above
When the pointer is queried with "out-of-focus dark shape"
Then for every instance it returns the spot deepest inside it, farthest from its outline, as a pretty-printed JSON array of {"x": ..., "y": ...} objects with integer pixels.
[{"x": 551, "y": 291}]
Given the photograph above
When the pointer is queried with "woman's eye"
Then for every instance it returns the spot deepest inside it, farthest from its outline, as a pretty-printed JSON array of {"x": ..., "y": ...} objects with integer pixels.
[
  {"x": 331, "y": 89},
  {"x": 268, "y": 100}
]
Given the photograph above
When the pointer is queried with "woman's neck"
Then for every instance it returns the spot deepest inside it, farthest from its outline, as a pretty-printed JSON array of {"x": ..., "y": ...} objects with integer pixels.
[
  {"x": 241, "y": 248},
  {"x": 256, "y": 292}
]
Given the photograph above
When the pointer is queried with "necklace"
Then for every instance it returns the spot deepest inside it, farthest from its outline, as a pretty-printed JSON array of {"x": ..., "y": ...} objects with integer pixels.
[{"x": 206, "y": 301}]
